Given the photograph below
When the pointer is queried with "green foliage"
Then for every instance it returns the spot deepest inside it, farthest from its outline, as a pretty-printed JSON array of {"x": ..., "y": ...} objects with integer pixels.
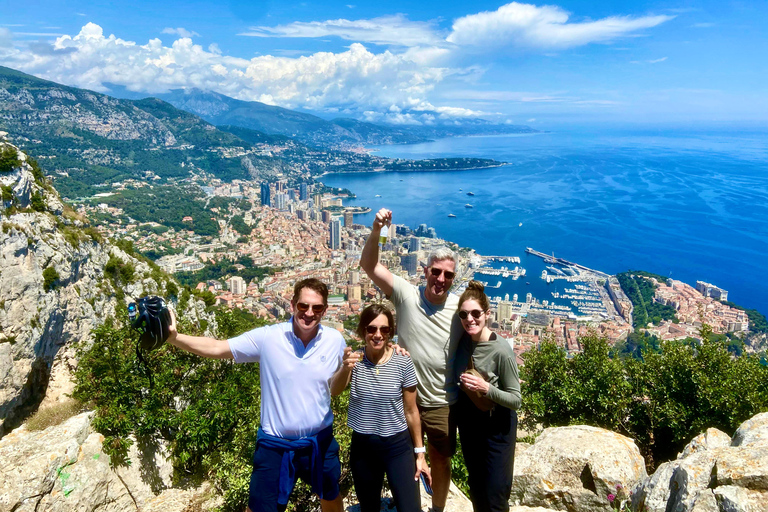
[
  {"x": 351, "y": 323},
  {"x": 661, "y": 400},
  {"x": 7, "y": 193},
  {"x": 37, "y": 202},
  {"x": 9, "y": 159},
  {"x": 636, "y": 344},
  {"x": 210, "y": 436},
  {"x": 37, "y": 172},
  {"x": 166, "y": 205},
  {"x": 224, "y": 268},
  {"x": 50, "y": 277},
  {"x": 239, "y": 225},
  {"x": 119, "y": 272},
  {"x": 640, "y": 291}
]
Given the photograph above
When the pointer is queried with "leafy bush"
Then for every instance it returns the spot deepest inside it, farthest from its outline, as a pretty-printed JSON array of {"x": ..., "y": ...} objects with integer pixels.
[
  {"x": 50, "y": 277},
  {"x": 9, "y": 159},
  {"x": 661, "y": 400},
  {"x": 37, "y": 202}
]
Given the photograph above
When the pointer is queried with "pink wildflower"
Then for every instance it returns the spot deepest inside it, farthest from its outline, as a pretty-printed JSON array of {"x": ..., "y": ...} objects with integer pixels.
[
  {"x": 619, "y": 487},
  {"x": 611, "y": 497}
]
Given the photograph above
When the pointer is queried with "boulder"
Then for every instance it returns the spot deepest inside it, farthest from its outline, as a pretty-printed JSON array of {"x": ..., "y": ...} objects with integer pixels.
[
  {"x": 752, "y": 432},
  {"x": 711, "y": 474},
  {"x": 63, "y": 468},
  {"x": 712, "y": 438},
  {"x": 576, "y": 468}
]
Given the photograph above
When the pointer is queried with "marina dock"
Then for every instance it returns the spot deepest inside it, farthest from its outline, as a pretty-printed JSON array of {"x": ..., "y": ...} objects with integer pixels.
[{"x": 560, "y": 261}]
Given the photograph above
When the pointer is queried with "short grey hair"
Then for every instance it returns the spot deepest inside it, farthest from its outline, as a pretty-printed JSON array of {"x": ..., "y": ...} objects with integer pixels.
[{"x": 443, "y": 253}]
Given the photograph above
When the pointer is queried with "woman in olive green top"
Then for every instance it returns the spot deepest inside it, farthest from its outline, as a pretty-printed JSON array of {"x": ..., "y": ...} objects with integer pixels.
[{"x": 487, "y": 370}]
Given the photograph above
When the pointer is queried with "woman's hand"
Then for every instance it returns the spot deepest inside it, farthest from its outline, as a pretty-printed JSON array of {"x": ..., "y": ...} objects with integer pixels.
[
  {"x": 422, "y": 467},
  {"x": 350, "y": 358},
  {"x": 474, "y": 383}
]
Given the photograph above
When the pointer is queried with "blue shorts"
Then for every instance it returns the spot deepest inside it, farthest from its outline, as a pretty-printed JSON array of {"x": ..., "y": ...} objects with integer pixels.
[{"x": 266, "y": 474}]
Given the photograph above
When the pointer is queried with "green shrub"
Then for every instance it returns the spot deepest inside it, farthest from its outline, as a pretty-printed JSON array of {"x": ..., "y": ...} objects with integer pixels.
[
  {"x": 211, "y": 436},
  {"x": 9, "y": 159},
  {"x": 661, "y": 400},
  {"x": 50, "y": 277},
  {"x": 7, "y": 193},
  {"x": 37, "y": 202}
]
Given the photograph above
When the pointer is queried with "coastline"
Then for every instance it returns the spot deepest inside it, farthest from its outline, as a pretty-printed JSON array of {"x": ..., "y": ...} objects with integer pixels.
[{"x": 476, "y": 168}]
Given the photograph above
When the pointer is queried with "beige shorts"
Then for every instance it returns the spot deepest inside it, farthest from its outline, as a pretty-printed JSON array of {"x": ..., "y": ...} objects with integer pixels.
[{"x": 439, "y": 424}]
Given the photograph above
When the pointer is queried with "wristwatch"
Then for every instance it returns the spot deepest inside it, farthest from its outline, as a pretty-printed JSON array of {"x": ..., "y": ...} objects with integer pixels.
[{"x": 420, "y": 449}]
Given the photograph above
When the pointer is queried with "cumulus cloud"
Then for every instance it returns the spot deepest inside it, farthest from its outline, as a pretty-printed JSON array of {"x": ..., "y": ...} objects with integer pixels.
[
  {"x": 528, "y": 25},
  {"x": 353, "y": 81},
  {"x": 396, "y": 30},
  {"x": 180, "y": 32}
]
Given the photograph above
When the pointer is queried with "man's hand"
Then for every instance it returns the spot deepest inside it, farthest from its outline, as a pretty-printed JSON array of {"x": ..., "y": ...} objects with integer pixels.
[
  {"x": 399, "y": 350},
  {"x": 172, "y": 330},
  {"x": 383, "y": 218}
]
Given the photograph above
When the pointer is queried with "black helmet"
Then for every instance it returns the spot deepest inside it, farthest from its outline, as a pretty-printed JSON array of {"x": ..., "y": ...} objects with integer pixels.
[{"x": 150, "y": 316}]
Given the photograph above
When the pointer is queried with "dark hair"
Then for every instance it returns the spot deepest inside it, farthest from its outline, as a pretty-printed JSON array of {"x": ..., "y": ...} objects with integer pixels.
[
  {"x": 372, "y": 312},
  {"x": 475, "y": 291},
  {"x": 314, "y": 285}
]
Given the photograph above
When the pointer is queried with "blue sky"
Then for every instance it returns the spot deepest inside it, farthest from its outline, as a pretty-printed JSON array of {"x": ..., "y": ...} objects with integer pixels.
[{"x": 542, "y": 64}]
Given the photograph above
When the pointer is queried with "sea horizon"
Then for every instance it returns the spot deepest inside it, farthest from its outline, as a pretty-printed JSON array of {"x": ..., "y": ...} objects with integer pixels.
[{"x": 689, "y": 205}]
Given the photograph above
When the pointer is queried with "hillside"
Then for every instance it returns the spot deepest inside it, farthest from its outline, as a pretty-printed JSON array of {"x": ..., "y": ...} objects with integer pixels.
[
  {"x": 223, "y": 110},
  {"x": 90, "y": 139}
]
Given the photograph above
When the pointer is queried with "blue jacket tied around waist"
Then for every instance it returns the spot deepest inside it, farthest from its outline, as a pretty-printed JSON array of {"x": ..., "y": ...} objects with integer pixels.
[{"x": 287, "y": 469}]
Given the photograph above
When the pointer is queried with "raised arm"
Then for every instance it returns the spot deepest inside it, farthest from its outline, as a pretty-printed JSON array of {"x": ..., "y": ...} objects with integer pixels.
[
  {"x": 369, "y": 260},
  {"x": 200, "y": 345}
]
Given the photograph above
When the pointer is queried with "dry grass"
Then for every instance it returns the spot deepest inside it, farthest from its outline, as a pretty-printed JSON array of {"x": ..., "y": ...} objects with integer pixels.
[{"x": 54, "y": 415}]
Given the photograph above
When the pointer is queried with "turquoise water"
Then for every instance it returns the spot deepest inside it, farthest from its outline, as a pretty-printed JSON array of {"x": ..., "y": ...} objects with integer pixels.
[{"x": 693, "y": 206}]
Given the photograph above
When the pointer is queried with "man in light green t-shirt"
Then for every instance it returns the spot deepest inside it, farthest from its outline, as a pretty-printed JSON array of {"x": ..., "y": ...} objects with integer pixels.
[{"x": 429, "y": 329}]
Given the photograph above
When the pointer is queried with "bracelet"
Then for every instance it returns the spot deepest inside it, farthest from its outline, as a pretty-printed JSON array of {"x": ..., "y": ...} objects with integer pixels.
[{"x": 420, "y": 449}]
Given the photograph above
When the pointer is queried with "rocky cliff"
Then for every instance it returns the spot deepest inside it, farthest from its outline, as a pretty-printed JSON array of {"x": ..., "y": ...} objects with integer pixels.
[{"x": 53, "y": 288}]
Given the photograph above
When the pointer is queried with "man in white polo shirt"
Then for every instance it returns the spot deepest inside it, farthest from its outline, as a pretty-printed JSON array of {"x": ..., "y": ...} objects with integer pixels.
[{"x": 297, "y": 358}]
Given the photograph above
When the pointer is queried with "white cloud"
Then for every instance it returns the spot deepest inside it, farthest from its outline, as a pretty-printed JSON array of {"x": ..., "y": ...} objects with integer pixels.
[
  {"x": 655, "y": 61},
  {"x": 528, "y": 25},
  {"x": 180, "y": 31},
  {"x": 396, "y": 30},
  {"x": 355, "y": 80}
]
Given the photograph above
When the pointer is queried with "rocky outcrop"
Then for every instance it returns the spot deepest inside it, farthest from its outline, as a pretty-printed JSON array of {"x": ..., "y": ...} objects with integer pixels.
[
  {"x": 64, "y": 468},
  {"x": 576, "y": 468},
  {"x": 40, "y": 320},
  {"x": 713, "y": 473}
]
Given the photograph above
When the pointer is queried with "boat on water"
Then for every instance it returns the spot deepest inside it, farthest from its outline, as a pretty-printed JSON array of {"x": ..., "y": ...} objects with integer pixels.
[
  {"x": 520, "y": 225},
  {"x": 468, "y": 206},
  {"x": 377, "y": 195},
  {"x": 470, "y": 193},
  {"x": 451, "y": 215}
]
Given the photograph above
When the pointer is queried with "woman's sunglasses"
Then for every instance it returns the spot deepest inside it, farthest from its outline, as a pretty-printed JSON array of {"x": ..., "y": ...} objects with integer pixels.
[
  {"x": 476, "y": 313},
  {"x": 437, "y": 271},
  {"x": 371, "y": 329},
  {"x": 303, "y": 307}
]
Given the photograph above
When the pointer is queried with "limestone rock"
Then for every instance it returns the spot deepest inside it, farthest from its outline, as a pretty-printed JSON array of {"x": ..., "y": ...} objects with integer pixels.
[
  {"x": 712, "y": 438},
  {"x": 63, "y": 468},
  {"x": 712, "y": 475},
  {"x": 575, "y": 468},
  {"x": 731, "y": 498},
  {"x": 753, "y": 431}
]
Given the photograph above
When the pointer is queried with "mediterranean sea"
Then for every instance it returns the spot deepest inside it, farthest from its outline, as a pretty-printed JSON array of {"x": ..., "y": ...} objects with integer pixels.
[{"x": 691, "y": 206}]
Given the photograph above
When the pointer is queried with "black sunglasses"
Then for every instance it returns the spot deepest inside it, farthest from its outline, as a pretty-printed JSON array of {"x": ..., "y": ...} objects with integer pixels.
[
  {"x": 371, "y": 329},
  {"x": 448, "y": 274},
  {"x": 476, "y": 313},
  {"x": 303, "y": 307}
]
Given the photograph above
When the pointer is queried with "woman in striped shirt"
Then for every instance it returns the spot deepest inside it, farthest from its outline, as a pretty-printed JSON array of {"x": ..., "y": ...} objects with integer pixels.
[{"x": 383, "y": 416}]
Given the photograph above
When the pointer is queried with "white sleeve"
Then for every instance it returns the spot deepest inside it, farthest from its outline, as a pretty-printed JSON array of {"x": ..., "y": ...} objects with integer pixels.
[{"x": 247, "y": 347}]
